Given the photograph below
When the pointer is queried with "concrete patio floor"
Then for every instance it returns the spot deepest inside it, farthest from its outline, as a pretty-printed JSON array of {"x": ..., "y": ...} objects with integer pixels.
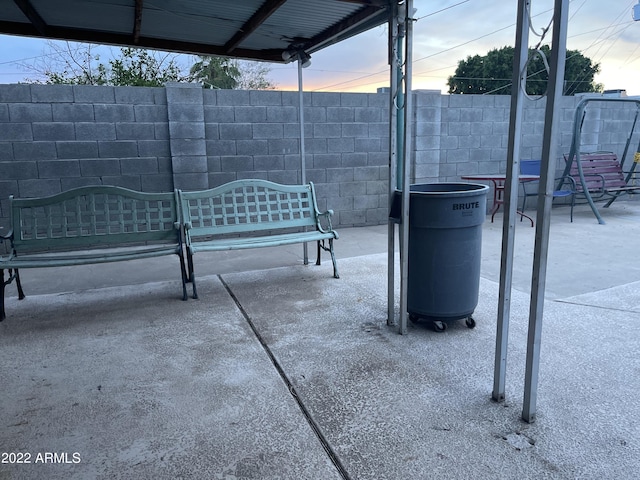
[{"x": 280, "y": 371}]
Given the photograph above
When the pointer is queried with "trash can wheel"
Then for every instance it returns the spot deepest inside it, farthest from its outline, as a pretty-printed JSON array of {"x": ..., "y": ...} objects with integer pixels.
[
  {"x": 439, "y": 325},
  {"x": 471, "y": 323}
]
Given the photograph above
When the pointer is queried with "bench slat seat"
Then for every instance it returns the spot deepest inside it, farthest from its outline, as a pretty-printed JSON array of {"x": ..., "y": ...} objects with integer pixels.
[
  {"x": 253, "y": 213},
  {"x": 603, "y": 175},
  {"x": 90, "y": 225}
]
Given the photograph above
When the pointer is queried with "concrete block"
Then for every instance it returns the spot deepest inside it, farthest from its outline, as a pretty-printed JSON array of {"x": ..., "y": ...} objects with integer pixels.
[
  {"x": 233, "y": 97},
  {"x": 427, "y": 172},
  {"x": 356, "y": 130},
  {"x": 209, "y": 97},
  {"x": 285, "y": 177},
  {"x": 131, "y": 182},
  {"x": 315, "y": 115},
  {"x": 135, "y": 131},
  {"x": 449, "y": 142},
  {"x": 265, "y": 97},
  {"x": 53, "y": 131},
  {"x": 35, "y": 187},
  {"x": 75, "y": 182},
  {"x": 219, "y": 114},
  {"x": 330, "y": 160},
  {"x": 365, "y": 202},
  {"x": 221, "y": 147},
  {"x": 428, "y": 114},
  {"x": 191, "y": 181},
  {"x": 377, "y": 187},
  {"x": 294, "y": 162},
  {"x": 339, "y": 175},
  {"x": 93, "y": 94},
  {"x": 184, "y": 94},
  {"x": 161, "y": 131},
  {"x": 450, "y": 115},
  {"x": 378, "y": 158},
  {"x": 268, "y": 162},
  {"x": 186, "y": 146},
  {"x": 138, "y": 166},
  {"x": 220, "y": 178},
  {"x": 354, "y": 100},
  {"x": 461, "y": 101},
  {"x": 134, "y": 95},
  {"x": 158, "y": 183},
  {"x": 378, "y": 129},
  {"x": 292, "y": 99},
  {"x": 495, "y": 115},
  {"x": 268, "y": 130},
  {"x": 18, "y": 170},
  {"x": 342, "y": 145},
  {"x": 150, "y": 113},
  {"x": 480, "y": 154},
  {"x": 6, "y": 150},
  {"x": 88, "y": 149},
  {"x": 366, "y": 173},
  {"x": 186, "y": 130},
  {"x": 457, "y": 156},
  {"x": 15, "y": 93},
  {"x": 52, "y": 94},
  {"x": 99, "y": 167},
  {"x": 114, "y": 113},
  {"x": 460, "y": 129},
  {"x": 211, "y": 131},
  {"x": 59, "y": 169},
  {"x": 481, "y": 128},
  {"x": 282, "y": 114},
  {"x": 95, "y": 131},
  {"x": 368, "y": 114},
  {"x": 355, "y": 159},
  {"x": 235, "y": 131},
  {"x": 380, "y": 100},
  {"x": 236, "y": 163},
  {"x": 180, "y": 112},
  {"x": 352, "y": 189},
  {"x": 340, "y": 114},
  {"x": 471, "y": 115},
  {"x": 316, "y": 175},
  {"x": 488, "y": 141},
  {"x": 260, "y": 174},
  {"x": 368, "y": 144},
  {"x": 117, "y": 149},
  {"x": 250, "y": 114},
  {"x": 30, "y": 112},
  {"x": 315, "y": 145},
  {"x": 469, "y": 141},
  {"x": 32, "y": 151},
  {"x": 213, "y": 164},
  {"x": 327, "y": 130},
  {"x": 190, "y": 164},
  {"x": 4, "y": 113},
  {"x": 283, "y": 146},
  {"x": 324, "y": 99},
  {"x": 252, "y": 147}
]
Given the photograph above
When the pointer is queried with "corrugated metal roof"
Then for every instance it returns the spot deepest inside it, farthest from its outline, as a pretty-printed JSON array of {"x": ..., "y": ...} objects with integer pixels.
[{"x": 255, "y": 29}]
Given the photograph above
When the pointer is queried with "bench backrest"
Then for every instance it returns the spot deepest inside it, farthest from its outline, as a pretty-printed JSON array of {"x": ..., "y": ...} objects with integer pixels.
[
  {"x": 595, "y": 167},
  {"x": 247, "y": 206},
  {"x": 94, "y": 216}
]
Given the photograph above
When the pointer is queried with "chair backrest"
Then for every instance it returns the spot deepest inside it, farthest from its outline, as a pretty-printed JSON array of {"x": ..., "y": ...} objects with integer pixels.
[{"x": 530, "y": 167}]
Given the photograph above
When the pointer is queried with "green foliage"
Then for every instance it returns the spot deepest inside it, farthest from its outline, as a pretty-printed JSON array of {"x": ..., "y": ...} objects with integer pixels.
[
  {"x": 215, "y": 72},
  {"x": 493, "y": 72}
]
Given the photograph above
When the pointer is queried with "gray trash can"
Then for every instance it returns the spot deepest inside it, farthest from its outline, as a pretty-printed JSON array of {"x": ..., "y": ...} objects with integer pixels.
[{"x": 445, "y": 243}]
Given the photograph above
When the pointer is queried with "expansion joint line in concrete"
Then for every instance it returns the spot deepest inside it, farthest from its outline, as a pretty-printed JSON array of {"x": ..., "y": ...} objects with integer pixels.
[{"x": 307, "y": 415}]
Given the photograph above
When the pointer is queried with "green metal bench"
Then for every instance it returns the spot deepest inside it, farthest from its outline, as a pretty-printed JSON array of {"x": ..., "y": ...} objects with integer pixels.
[
  {"x": 90, "y": 225},
  {"x": 252, "y": 214}
]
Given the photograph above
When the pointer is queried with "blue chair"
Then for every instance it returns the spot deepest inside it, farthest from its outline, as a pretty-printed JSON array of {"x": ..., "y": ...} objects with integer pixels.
[{"x": 530, "y": 189}]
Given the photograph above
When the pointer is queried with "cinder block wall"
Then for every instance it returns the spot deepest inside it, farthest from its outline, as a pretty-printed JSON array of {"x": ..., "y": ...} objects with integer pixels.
[{"x": 56, "y": 137}]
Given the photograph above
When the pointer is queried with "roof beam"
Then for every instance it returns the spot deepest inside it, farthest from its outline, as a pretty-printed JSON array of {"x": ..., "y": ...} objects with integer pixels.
[
  {"x": 265, "y": 11},
  {"x": 137, "y": 21},
  {"x": 34, "y": 17}
]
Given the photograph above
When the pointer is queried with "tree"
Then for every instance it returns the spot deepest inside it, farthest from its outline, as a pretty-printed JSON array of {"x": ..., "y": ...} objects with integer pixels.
[
  {"x": 492, "y": 73},
  {"x": 215, "y": 72},
  {"x": 79, "y": 64}
]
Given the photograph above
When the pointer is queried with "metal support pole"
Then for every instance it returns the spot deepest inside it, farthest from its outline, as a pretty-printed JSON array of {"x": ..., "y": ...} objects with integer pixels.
[
  {"x": 303, "y": 160},
  {"x": 393, "y": 161},
  {"x": 545, "y": 198},
  {"x": 511, "y": 199},
  {"x": 406, "y": 168}
]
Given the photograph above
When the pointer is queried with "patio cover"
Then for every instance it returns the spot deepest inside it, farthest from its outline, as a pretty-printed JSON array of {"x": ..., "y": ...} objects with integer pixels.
[{"x": 250, "y": 29}]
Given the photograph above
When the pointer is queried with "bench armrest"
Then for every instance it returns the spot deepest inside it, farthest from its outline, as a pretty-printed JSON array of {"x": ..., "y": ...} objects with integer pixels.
[
  {"x": 7, "y": 240},
  {"x": 328, "y": 227}
]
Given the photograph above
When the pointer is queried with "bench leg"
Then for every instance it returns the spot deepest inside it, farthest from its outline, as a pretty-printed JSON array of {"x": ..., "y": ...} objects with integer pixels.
[
  {"x": 183, "y": 272},
  {"x": 191, "y": 278},
  {"x": 333, "y": 255},
  {"x": 12, "y": 274},
  {"x": 318, "y": 256}
]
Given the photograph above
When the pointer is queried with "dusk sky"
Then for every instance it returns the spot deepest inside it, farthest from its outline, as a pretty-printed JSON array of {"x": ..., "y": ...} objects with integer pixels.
[{"x": 446, "y": 31}]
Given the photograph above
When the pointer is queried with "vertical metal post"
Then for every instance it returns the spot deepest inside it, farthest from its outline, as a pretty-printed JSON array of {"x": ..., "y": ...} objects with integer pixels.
[
  {"x": 406, "y": 167},
  {"x": 393, "y": 161},
  {"x": 545, "y": 198},
  {"x": 303, "y": 160},
  {"x": 511, "y": 199}
]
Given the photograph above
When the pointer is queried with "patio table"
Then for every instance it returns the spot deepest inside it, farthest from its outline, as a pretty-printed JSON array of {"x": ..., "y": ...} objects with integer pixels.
[{"x": 498, "y": 180}]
